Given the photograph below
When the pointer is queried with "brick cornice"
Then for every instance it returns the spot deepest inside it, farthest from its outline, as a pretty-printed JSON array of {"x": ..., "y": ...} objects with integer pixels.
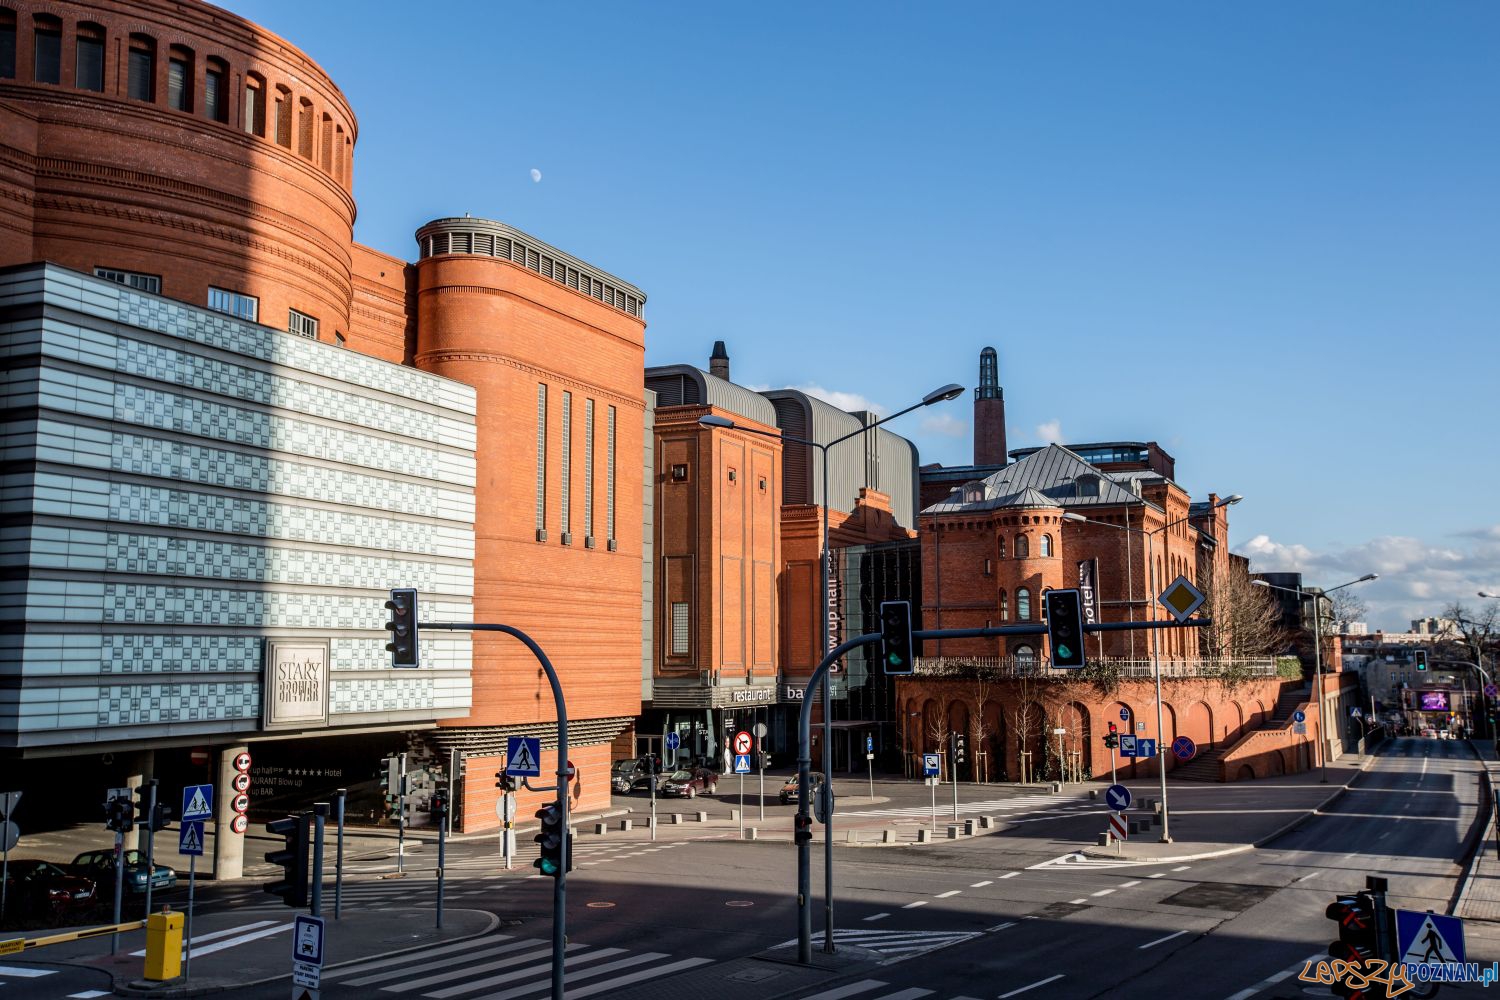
[{"x": 427, "y": 358}]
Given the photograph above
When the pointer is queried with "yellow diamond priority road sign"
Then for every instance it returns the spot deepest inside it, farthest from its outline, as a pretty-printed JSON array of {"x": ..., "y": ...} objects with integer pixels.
[{"x": 1181, "y": 598}]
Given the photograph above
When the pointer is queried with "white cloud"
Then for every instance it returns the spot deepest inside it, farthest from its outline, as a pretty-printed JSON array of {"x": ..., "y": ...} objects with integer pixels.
[
  {"x": 944, "y": 424},
  {"x": 1417, "y": 578},
  {"x": 1050, "y": 432},
  {"x": 536, "y": 176}
]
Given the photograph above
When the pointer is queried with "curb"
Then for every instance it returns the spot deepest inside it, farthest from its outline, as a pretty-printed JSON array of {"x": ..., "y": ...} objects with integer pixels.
[{"x": 1471, "y": 864}]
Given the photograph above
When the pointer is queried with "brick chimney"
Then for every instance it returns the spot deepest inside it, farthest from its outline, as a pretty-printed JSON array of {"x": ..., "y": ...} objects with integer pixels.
[{"x": 718, "y": 361}]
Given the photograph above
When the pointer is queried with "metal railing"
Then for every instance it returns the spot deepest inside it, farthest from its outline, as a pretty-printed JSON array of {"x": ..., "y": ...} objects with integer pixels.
[{"x": 1011, "y": 667}]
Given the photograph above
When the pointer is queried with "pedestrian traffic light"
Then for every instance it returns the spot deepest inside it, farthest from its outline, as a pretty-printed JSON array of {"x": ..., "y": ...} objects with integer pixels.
[
  {"x": 161, "y": 816},
  {"x": 403, "y": 627},
  {"x": 555, "y": 856},
  {"x": 293, "y": 885},
  {"x": 895, "y": 636},
  {"x": 1357, "y": 941},
  {"x": 802, "y": 827},
  {"x": 1065, "y": 627},
  {"x": 439, "y": 807},
  {"x": 1420, "y": 656}
]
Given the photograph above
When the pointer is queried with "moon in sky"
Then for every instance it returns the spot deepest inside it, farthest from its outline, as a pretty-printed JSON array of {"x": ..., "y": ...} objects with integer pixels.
[{"x": 536, "y": 176}]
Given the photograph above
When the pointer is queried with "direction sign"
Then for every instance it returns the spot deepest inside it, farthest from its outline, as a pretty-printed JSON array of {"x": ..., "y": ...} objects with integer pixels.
[
  {"x": 742, "y": 763},
  {"x": 1127, "y": 745},
  {"x": 1184, "y": 748},
  {"x": 869, "y": 744},
  {"x": 307, "y": 940},
  {"x": 523, "y": 756},
  {"x": 242, "y": 762},
  {"x": 1181, "y": 598},
  {"x": 1117, "y": 797},
  {"x": 198, "y": 801},
  {"x": 1124, "y": 715},
  {"x": 743, "y": 741},
  {"x": 1119, "y": 826},
  {"x": 1299, "y": 716},
  {"x": 1428, "y": 938},
  {"x": 8, "y": 802},
  {"x": 929, "y": 765},
  {"x": 1145, "y": 747},
  {"x": 673, "y": 740},
  {"x": 190, "y": 838}
]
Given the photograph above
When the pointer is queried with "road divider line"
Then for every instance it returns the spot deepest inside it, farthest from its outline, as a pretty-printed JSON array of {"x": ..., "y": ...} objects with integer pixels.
[
  {"x": 1000, "y": 927},
  {"x": 950, "y": 892},
  {"x": 1158, "y": 875},
  {"x": 1182, "y": 868},
  {"x": 875, "y": 916},
  {"x": 1161, "y": 940},
  {"x": 1275, "y": 978},
  {"x": 1130, "y": 885},
  {"x": 913, "y": 906},
  {"x": 1039, "y": 982},
  {"x": 1080, "y": 899},
  {"x": 980, "y": 885},
  {"x": 1102, "y": 892},
  {"x": 1010, "y": 875}
]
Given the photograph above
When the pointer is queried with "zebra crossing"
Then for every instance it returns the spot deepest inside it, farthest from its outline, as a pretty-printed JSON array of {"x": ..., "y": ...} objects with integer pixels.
[
  {"x": 894, "y": 945},
  {"x": 503, "y": 967},
  {"x": 1041, "y": 805},
  {"x": 1079, "y": 862},
  {"x": 866, "y": 989}
]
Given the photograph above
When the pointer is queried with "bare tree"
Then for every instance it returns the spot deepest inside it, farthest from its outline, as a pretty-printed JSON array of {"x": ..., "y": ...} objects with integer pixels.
[
  {"x": 980, "y": 690},
  {"x": 1246, "y": 620},
  {"x": 1347, "y": 606},
  {"x": 1025, "y": 717},
  {"x": 1473, "y": 629}
]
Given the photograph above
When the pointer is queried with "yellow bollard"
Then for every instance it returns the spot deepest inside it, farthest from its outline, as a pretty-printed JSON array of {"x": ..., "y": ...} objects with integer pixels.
[{"x": 164, "y": 945}]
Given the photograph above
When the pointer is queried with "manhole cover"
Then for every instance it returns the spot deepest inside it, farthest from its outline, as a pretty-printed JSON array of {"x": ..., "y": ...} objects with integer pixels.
[
  {"x": 1221, "y": 896},
  {"x": 754, "y": 975},
  {"x": 740, "y": 902},
  {"x": 600, "y": 905}
]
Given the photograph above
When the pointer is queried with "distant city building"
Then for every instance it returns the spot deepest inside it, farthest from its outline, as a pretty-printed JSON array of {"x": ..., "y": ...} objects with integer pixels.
[
  {"x": 1356, "y": 628},
  {"x": 1434, "y": 626}
]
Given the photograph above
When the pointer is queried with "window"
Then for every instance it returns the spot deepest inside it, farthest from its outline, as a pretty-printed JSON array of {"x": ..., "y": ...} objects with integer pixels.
[
  {"x": 325, "y": 159},
  {"x": 680, "y": 634},
  {"x": 541, "y": 462},
  {"x": 88, "y": 62},
  {"x": 1023, "y": 605},
  {"x": 283, "y": 117},
  {"x": 609, "y": 479},
  {"x": 1002, "y": 547},
  {"x": 305, "y": 129},
  {"x": 989, "y": 567},
  {"x": 131, "y": 279},
  {"x": 215, "y": 90},
  {"x": 142, "y": 74},
  {"x": 338, "y": 153},
  {"x": 180, "y": 78},
  {"x": 339, "y": 339},
  {"x": 566, "y": 513},
  {"x": 1087, "y": 485},
  {"x": 7, "y": 43},
  {"x": 762, "y": 484},
  {"x": 254, "y": 115},
  {"x": 1004, "y": 606},
  {"x": 733, "y": 476},
  {"x": 242, "y": 306},
  {"x": 1046, "y": 546},
  {"x": 302, "y": 324},
  {"x": 1026, "y": 654},
  {"x": 47, "y": 49},
  {"x": 1023, "y": 547},
  {"x": 588, "y": 469}
]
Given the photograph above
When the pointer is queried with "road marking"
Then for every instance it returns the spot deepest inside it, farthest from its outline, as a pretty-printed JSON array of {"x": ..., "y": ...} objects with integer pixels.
[
  {"x": 1182, "y": 868},
  {"x": 908, "y": 994},
  {"x": 950, "y": 892},
  {"x": 1080, "y": 899},
  {"x": 913, "y": 906},
  {"x": 1158, "y": 875},
  {"x": 1309, "y": 875},
  {"x": 1010, "y": 875},
  {"x": 1130, "y": 885},
  {"x": 980, "y": 885},
  {"x": 847, "y": 991},
  {"x": 88, "y": 995},
  {"x": 22, "y": 973},
  {"x": 1153, "y": 944},
  {"x": 254, "y": 935},
  {"x": 1039, "y": 982},
  {"x": 1102, "y": 892},
  {"x": 1000, "y": 927},
  {"x": 876, "y": 916},
  {"x": 1275, "y": 978}
]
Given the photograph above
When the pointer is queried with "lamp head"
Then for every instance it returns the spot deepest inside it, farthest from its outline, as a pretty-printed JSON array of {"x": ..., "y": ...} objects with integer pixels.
[
  {"x": 1368, "y": 577},
  {"x": 1070, "y": 516},
  {"x": 1259, "y": 583},
  {"x": 1493, "y": 597},
  {"x": 1230, "y": 500},
  {"x": 714, "y": 420},
  {"x": 950, "y": 391}
]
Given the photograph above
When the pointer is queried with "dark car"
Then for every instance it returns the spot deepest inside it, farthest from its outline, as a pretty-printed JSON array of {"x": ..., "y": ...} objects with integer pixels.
[
  {"x": 788, "y": 791},
  {"x": 629, "y": 775},
  {"x": 100, "y": 866},
  {"x": 688, "y": 784},
  {"x": 42, "y": 889}
]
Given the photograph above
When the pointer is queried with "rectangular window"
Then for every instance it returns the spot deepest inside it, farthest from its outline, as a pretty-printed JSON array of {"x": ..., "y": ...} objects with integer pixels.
[
  {"x": 680, "y": 632},
  {"x": 143, "y": 282},
  {"x": 233, "y": 303},
  {"x": 302, "y": 324},
  {"x": 284, "y": 120},
  {"x": 541, "y": 458},
  {"x": 179, "y": 85},
  {"x": 142, "y": 83},
  {"x": 8, "y": 45},
  {"x": 566, "y": 513},
  {"x": 588, "y": 467},
  {"x": 89, "y": 65},
  {"x": 609, "y": 477},
  {"x": 48, "y": 51},
  {"x": 214, "y": 105},
  {"x": 255, "y": 110}
]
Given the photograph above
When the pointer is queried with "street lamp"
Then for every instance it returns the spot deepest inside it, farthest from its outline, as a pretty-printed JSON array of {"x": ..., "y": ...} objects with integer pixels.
[
  {"x": 949, "y": 391},
  {"x": 1161, "y": 746},
  {"x": 1318, "y": 656}
]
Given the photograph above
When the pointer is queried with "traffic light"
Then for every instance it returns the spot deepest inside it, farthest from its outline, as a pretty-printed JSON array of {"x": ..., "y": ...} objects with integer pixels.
[
  {"x": 403, "y": 627},
  {"x": 895, "y": 636},
  {"x": 1065, "y": 627},
  {"x": 802, "y": 826},
  {"x": 1112, "y": 738},
  {"x": 505, "y": 782},
  {"x": 296, "y": 872},
  {"x": 554, "y": 859},
  {"x": 1357, "y": 940},
  {"x": 119, "y": 815},
  {"x": 439, "y": 807},
  {"x": 161, "y": 816},
  {"x": 1420, "y": 655},
  {"x": 142, "y": 806}
]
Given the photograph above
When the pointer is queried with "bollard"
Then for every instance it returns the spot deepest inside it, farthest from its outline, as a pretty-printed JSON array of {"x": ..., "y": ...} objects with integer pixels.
[
  {"x": 1103, "y": 840},
  {"x": 924, "y": 835},
  {"x": 968, "y": 828},
  {"x": 600, "y": 829},
  {"x": 987, "y": 822},
  {"x": 953, "y": 829},
  {"x": 702, "y": 817},
  {"x": 1056, "y": 787},
  {"x": 626, "y": 825},
  {"x": 887, "y": 836},
  {"x": 677, "y": 819},
  {"x": 1093, "y": 795},
  {"x": 851, "y": 836},
  {"x": 734, "y": 815},
  {"x": 650, "y": 822},
  {"x": 751, "y": 833},
  {"x": 163, "y": 946}
]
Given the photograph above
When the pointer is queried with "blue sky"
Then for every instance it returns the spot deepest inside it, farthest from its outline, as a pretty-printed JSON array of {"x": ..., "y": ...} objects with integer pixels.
[{"x": 1264, "y": 235}]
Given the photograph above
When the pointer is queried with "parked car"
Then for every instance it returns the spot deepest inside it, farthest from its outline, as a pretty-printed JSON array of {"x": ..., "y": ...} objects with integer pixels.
[
  {"x": 688, "y": 784},
  {"x": 1429, "y": 734},
  {"x": 42, "y": 889},
  {"x": 788, "y": 791},
  {"x": 100, "y": 866}
]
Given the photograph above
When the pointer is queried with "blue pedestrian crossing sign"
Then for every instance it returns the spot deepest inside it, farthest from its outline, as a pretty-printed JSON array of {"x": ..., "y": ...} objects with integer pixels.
[
  {"x": 741, "y": 763},
  {"x": 190, "y": 838},
  {"x": 929, "y": 765},
  {"x": 1428, "y": 938},
  {"x": 523, "y": 756},
  {"x": 1117, "y": 797},
  {"x": 197, "y": 802}
]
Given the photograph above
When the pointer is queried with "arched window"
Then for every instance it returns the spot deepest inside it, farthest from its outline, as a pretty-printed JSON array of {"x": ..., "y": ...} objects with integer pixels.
[
  {"x": 305, "y": 128},
  {"x": 180, "y": 78},
  {"x": 326, "y": 156},
  {"x": 7, "y": 43},
  {"x": 253, "y": 116},
  {"x": 1002, "y": 546},
  {"x": 88, "y": 59},
  {"x": 1046, "y": 545},
  {"x": 141, "y": 85},
  {"x": 1023, "y": 604},
  {"x": 216, "y": 90},
  {"x": 1026, "y": 654},
  {"x": 1004, "y": 605},
  {"x": 1023, "y": 547},
  {"x": 283, "y": 116},
  {"x": 46, "y": 32}
]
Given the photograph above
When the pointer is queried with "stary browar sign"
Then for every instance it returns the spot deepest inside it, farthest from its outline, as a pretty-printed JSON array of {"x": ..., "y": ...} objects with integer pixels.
[{"x": 296, "y": 684}]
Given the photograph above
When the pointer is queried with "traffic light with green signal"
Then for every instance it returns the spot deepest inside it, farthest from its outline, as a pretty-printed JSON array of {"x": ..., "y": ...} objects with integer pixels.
[
  {"x": 1420, "y": 656},
  {"x": 1065, "y": 627},
  {"x": 895, "y": 636},
  {"x": 554, "y": 858}
]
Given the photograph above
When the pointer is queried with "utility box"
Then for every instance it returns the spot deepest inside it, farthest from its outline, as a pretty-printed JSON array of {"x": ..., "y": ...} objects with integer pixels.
[{"x": 163, "y": 946}]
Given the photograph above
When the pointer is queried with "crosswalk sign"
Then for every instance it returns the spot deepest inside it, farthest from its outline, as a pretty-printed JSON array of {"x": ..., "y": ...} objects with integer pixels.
[
  {"x": 742, "y": 763},
  {"x": 197, "y": 802},
  {"x": 523, "y": 756},
  {"x": 1429, "y": 938},
  {"x": 190, "y": 838}
]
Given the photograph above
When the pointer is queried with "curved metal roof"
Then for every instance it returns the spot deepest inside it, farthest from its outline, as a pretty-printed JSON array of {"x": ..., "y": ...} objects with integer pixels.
[{"x": 685, "y": 385}]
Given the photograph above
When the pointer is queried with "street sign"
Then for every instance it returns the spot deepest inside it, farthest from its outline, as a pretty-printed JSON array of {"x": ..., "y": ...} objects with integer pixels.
[
  {"x": 1145, "y": 747},
  {"x": 9, "y": 834},
  {"x": 242, "y": 762},
  {"x": 743, "y": 742},
  {"x": 742, "y": 763},
  {"x": 198, "y": 801},
  {"x": 505, "y": 808},
  {"x": 1140, "y": 727},
  {"x": 240, "y": 782},
  {"x": 1490, "y": 691},
  {"x": 760, "y": 730},
  {"x": 8, "y": 802},
  {"x": 1299, "y": 716},
  {"x": 1127, "y": 745},
  {"x": 929, "y": 765},
  {"x": 1299, "y": 728},
  {"x": 240, "y": 803},
  {"x": 869, "y": 744},
  {"x": 523, "y": 756},
  {"x": 1117, "y": 797},
  {"x": 823, "y": 802},
  {"x": 190, "y": 838},
  {"x": 239, "y": 824},
  {"x": 1428, "y": 938},
  {"x": 1124, "y": 715},
  {"x": 307, "y": 940},
  {"x": 1119, "y": 826},
  {"x": 1181, "y": 598},
  {"x": 1184, "y": 748},
  {"x": 674, "y": 740}
]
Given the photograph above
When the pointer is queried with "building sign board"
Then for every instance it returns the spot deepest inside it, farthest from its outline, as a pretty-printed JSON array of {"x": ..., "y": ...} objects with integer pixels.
[{"x": 296, "y": 684}]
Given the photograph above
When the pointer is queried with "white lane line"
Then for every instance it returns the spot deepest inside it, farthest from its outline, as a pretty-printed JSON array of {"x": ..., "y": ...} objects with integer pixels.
[
  {"x": 88, "y": 995},
  {"x": 1164, "y": 940},
  {"x": 980, "y": 885},
  {"x": 1275, "y": 978},
  {"x": 254, "y": 932},
  {"x": 1130, "y": 885},
  {"x": 1102, "y": 892},
  {"x": 1000, "y": 927},
  {"x": 651, "y": 973},
  {"x": 1158, "y": 875},
  {"x": 908, "y": 994},
  {"x": 847, "y": 991},
  {"x": 1075, "y": 902},
  {"x": 1039, "y": 982},
  {"x": 950, "y": 892},
  {"x": 1010, "y": 875},
  {"x": 1309, "y": 875},
  {"x": 21, "y": 973},
  {"x": 913, "y": 906},
  {"x": 1182, "y": 868},
  {"x": 875, "y": 916}
]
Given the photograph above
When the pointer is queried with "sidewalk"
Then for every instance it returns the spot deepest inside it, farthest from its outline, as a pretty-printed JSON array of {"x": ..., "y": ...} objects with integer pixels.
[{"x": 1479, "y": 898}]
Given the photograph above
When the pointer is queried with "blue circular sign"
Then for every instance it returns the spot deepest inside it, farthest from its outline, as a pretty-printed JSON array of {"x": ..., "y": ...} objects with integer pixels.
[
  {"x": 1117, "y": 797},
  {"x": 673, "y": 741},
  {"x": 1124, "y": 715},
  {"x": 1299, "y": 716},
  {"x": 1184, "y": 748}
]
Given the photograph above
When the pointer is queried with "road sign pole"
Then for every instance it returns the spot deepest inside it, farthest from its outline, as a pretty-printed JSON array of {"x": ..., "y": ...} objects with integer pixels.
[
  {"x": 760, "y": 761},
  {"x": 150, "y": 840},
  {"x": 932, "y": 784},
  {"x": 320, "y": 823},
  {"x": 870, "y": 767},
  {"x": 338, "y": 857},
  {"x": 442, "y": 843},
  {"x": 742, "y": 805},
  {"x": 187, "y": 934},
  {"x": 114, "y": 939},
  {"x": 401, "y": 818},
  {"x": 1112, "y": 780}
]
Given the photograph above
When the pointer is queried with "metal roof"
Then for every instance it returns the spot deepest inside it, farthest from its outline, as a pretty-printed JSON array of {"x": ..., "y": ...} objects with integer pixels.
[
  {"x": 684, "y": 385},
  {"x": 1047, "y": 477}
]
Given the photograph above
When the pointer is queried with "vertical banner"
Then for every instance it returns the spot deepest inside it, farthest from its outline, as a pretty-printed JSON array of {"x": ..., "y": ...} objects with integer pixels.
[
  {"x": 1088, "y": 581},
  {"x": 835, "y": 609}
]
